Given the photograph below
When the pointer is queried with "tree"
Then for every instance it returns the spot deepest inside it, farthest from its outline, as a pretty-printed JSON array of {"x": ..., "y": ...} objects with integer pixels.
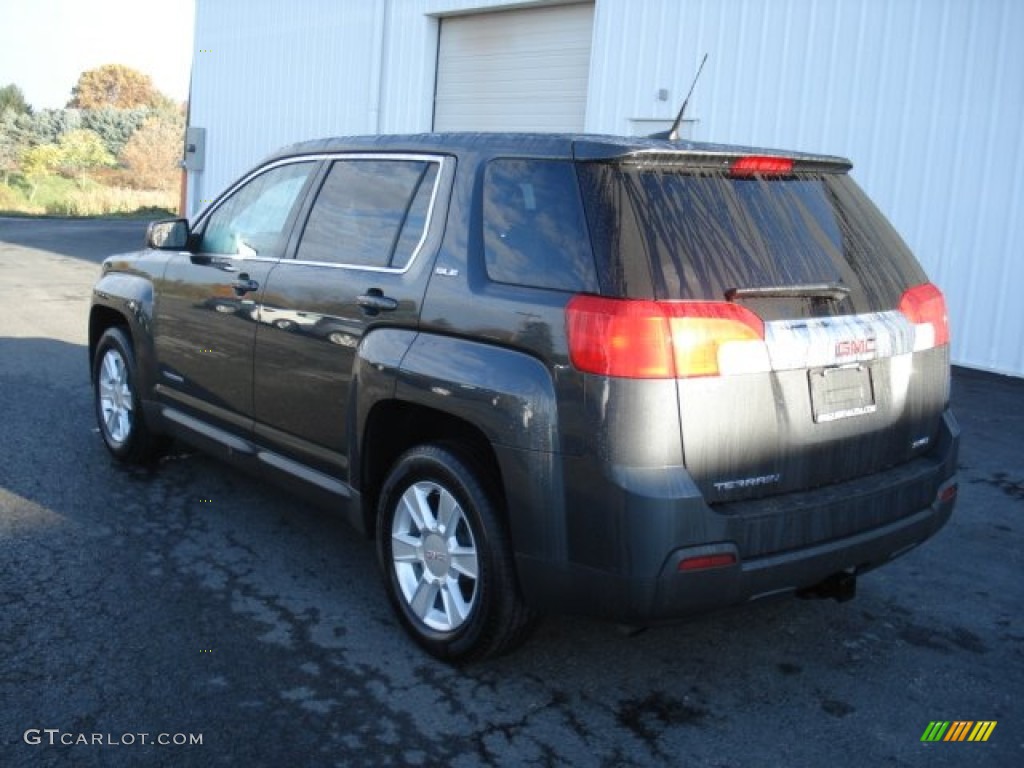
[
  {"x": 153, "y": 153},
  {"x": 76, "y": 153},
  {"x": 114, "y": 126},
  {"x": 46, "y": 126},
  {"x": 10, "y": 146},
  {"x": 116, "y": 86},
  {"x": 12, "y": 99},
  {"x": 81, "y": 151},
  {"x": 37, "y": 163}
]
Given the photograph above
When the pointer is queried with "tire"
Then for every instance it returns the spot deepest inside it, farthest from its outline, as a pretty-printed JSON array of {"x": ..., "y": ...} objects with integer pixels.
[
  {"x": 284, "y": 325},
  {"x": 117, "y": 403},
  {"x": 447, "y": 558}
]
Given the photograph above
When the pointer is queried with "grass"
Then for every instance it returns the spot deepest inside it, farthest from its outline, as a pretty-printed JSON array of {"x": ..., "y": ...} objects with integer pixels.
[{"x": 58, "y": 196}]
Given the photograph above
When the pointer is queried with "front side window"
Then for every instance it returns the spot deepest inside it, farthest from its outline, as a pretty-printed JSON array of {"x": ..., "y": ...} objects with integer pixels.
[
  {"x": 253, "y": 221},
  {"x": 370, "y": 213}
]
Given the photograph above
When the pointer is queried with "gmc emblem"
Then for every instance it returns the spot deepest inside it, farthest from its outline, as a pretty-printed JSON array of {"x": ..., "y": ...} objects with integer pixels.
[{"x": 852, "y": 347}]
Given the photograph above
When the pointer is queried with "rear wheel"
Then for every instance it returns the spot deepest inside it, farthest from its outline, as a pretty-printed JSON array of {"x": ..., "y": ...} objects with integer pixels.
[
  {"x": 447, "y": 558},
  {"x": 118, "y": 407}
]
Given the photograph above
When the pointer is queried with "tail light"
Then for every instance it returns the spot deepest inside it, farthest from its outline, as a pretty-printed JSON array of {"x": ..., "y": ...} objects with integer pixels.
[
  {"x": 640, "y": 339},
  {"x": 925, "y": 307}
]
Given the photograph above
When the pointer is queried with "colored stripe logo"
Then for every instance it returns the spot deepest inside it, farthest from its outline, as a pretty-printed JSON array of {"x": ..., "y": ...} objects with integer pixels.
[{"x": 958, "y": 730}]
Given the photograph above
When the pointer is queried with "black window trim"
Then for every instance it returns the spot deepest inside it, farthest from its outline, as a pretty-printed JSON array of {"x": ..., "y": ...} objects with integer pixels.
[
  {"x": 442, "y": 162},
  {"x": 581, "y": 202}
]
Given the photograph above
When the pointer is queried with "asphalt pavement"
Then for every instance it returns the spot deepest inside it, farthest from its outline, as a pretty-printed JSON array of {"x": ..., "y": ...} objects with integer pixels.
[{"x": 191, "y": 615}]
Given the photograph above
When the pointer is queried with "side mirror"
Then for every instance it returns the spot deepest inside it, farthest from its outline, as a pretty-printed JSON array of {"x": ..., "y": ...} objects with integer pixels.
[{"x": 168, "y": 235}]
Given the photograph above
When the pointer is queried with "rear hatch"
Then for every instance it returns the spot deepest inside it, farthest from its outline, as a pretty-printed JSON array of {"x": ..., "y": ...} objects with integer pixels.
[{"x": 807, "y": 345}]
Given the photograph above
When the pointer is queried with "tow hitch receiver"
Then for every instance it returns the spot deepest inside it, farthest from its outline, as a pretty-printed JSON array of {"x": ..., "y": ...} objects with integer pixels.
[{"x": 840, "y": 587}]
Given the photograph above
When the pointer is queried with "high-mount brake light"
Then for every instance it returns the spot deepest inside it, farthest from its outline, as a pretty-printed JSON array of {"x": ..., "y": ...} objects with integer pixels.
[
  {"x": 925, "y": 307},
  {"x": 752, "y": 165},
  {"x": 643, "y": 339}
]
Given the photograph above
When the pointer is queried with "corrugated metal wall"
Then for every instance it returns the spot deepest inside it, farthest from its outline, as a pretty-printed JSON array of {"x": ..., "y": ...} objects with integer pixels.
[
  {"x": 925, "y": 96},
  {"x": 266, "y": 73}
]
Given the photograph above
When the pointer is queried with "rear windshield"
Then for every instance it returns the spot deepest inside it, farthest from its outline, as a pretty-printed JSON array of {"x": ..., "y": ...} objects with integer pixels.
[{"x": 670, "y": 233}]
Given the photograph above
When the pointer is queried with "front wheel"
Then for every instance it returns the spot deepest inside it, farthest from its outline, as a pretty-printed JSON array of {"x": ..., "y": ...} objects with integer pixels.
[
  {"x": 447, "y": 558},
  {"x": 116, "y": 397}
]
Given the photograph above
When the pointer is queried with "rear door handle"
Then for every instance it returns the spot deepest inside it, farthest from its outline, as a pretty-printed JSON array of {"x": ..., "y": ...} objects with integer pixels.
[
  {"x": 244, "y": 285},
  {"x": 373, "y": 301}
]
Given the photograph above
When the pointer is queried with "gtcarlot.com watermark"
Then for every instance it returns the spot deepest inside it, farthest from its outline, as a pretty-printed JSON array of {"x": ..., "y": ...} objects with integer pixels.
[{"x": 56, "y": 737}]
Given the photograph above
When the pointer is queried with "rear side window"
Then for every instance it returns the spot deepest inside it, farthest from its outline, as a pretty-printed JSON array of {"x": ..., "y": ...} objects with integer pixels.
[
  {"x": 535, "y": 230},
  {"x": 370, "y": 213},
  {"x": 670, "y": 233}
]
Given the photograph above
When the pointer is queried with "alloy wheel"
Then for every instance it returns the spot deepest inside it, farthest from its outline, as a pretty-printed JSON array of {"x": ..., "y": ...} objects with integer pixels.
[
  {"x": 434, "y": 556},
  {"x": 115, "y": 396}
]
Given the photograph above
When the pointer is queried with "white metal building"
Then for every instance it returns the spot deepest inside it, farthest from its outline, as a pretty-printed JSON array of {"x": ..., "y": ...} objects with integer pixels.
[{"x": 925, "y": 96}]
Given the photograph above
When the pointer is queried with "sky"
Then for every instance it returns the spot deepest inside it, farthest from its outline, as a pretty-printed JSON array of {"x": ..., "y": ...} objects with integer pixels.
[{"x": 46, "y": 44}]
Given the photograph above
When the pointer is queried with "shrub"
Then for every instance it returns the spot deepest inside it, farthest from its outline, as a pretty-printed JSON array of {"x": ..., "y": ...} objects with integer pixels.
[
  {"x": 57, "y": 196},
  {"x": 12, "y": 200}
]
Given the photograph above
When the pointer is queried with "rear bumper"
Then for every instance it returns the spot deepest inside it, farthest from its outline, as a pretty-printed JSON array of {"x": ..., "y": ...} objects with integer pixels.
[{"x": 640, "y": 534}]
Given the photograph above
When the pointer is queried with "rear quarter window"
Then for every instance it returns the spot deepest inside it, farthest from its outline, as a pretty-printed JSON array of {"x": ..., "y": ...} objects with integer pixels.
[{"x": 535, "y": 231}]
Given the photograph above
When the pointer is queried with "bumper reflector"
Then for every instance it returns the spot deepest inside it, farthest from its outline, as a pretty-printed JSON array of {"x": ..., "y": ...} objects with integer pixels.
[{"x": 704, "y": 562}]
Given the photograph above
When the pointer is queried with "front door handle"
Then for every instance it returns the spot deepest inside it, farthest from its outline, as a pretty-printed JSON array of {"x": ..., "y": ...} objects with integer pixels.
[
  {"x": 244, "y": 285},
  {"x": 374, "y": 301}
]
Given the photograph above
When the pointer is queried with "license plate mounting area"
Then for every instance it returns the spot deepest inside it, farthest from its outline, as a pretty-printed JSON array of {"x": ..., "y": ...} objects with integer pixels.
[{"x": 841, "y": 392}]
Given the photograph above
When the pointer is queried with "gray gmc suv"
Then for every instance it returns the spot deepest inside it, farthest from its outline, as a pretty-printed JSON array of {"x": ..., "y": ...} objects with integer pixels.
[{"x": 628, "y": 378}]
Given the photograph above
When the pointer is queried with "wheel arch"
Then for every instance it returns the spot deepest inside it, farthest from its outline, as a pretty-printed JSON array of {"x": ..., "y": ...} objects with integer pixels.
[
  {"x": 500, "y": 404},
  {"x": 100, "y": 319},
  {"x": 128, "y": 301},
  {"x": 395, "y": 426}
]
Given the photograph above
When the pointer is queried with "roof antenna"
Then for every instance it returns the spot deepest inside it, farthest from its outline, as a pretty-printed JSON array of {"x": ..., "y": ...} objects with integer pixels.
[{"x": 673, "y": 133}]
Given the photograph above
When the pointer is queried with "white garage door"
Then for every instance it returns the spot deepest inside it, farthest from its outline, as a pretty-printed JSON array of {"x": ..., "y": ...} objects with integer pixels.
[{"x": 523, "y": 70}]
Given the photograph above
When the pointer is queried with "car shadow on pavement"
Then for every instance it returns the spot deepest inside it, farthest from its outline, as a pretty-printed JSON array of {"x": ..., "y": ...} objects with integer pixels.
[
  {"x": 54, "y": 363},
  {"x": 190, "y": 597},
  {"x": 85, "y": 239}
]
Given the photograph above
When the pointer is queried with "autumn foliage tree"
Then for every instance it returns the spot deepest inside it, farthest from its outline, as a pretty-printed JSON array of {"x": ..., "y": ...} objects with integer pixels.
[
  {"x": 152, "y": 155},
  {"x": 115, "y": 86},
  {"x": 119, "y": 141}
]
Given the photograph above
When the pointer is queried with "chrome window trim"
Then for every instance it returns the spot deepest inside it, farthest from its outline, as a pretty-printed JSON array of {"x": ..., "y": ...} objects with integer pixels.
[
  {"x": 239, "y": 257},
  {"x": 206, "y": 213},
  {"x": 442, "y": 163}
]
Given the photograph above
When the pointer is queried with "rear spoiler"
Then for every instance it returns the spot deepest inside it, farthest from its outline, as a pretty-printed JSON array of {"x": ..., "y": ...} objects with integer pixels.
[{"x": 699, "y": 156}]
